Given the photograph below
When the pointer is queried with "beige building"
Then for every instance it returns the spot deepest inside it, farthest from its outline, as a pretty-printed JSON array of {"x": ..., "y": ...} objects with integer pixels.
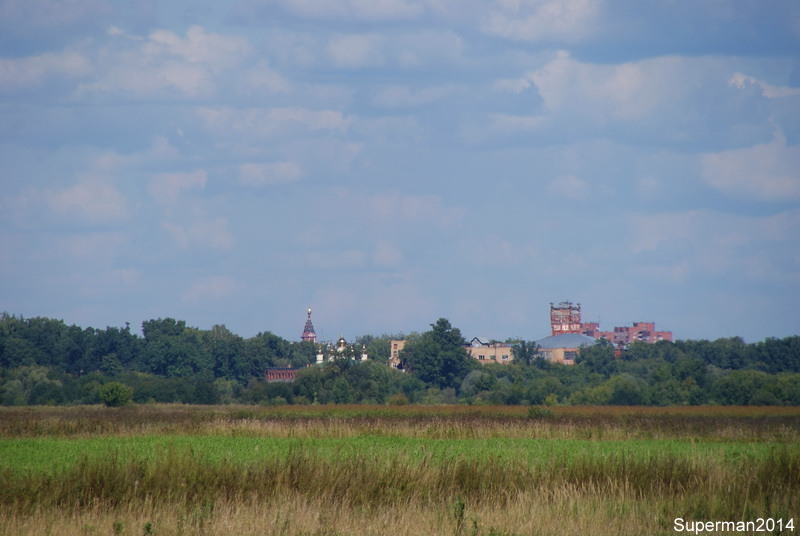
[
  {"x": 485, "y": 351},
  {"x": 395, "y": 347},
  {"x": 563, "y": 348},
  {"x": 479, "y": 348}
]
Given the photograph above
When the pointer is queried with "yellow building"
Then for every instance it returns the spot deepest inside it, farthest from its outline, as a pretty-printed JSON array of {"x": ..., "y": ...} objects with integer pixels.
[
  {"x": 479, "y": 348},
  {"x": 395, "y": 347},
  {"x": 485, "y": 351},
  {"x": 563, "y": 348}
]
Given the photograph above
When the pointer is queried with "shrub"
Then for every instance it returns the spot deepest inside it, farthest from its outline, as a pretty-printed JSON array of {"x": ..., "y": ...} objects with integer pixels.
[
  {"x": 539, "y": 412},
  {"x": 398, "y": 399},
  {"x": 115, "y": 394}
]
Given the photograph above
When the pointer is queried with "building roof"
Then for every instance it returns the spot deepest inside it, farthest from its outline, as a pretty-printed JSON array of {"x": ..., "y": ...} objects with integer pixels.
[
  {"x": 481, "y": 341},
  {"x": 565, "y": 340}
]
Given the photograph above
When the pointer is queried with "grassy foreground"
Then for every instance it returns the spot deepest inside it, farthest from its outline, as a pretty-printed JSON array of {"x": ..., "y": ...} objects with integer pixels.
[{"x": 172, "y": 470}]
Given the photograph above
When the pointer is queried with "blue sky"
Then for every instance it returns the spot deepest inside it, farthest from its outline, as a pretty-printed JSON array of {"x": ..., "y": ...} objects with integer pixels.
[{"x": 390, "y": 162}]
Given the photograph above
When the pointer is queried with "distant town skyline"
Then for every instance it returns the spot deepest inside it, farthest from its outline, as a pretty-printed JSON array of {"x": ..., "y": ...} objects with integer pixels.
[
  {"x": 390, "y": 163},
  {"x": 559, "y": 312}
]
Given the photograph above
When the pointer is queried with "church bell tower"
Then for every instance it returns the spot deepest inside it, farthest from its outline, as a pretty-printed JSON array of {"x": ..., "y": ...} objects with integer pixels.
[{"x": 308, "y": 332}]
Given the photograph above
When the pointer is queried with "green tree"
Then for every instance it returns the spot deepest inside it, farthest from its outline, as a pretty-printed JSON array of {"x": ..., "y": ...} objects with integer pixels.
[
  {"x": 739, "y": 386},
  {"x": 341, "y": 391},
  {"x": 439, "y": 357},
  {"x": 598, "y": 358},
  {"x": 477, "y": 381},
  {"x": 115, "y": 394},
  {"x": 225, "y": 349},
  {"x": 540, "y": 389},
  {"x": 12, "y": 394},
  {"x": 625, "y": 391},
  {"x": 171, "y": 349},
  {"x": 527, "y": 353}
]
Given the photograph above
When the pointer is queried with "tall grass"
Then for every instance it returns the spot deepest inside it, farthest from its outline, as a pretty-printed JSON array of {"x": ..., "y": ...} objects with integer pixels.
[
  {"x": 781, "y": 424},
  {"x": 375, "y": 481},
  {"x": 601, "y": 473}
]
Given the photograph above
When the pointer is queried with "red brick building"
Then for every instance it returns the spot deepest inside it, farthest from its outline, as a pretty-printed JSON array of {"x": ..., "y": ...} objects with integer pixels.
[
  {"x": 624, "y": 335},
  {"x": 280, "y": 374},
  {"x": 566, "y": 318}
]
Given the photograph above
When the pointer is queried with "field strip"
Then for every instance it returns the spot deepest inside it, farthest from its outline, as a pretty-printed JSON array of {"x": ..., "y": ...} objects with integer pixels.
[{"x": 47, "y": 455}]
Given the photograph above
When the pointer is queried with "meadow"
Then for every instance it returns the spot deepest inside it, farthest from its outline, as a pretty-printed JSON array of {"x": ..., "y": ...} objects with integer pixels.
[{"x": 336, "y": 470}]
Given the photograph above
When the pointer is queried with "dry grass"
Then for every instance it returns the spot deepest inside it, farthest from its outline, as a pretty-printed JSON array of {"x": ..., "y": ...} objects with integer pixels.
[
  {"x": 773, "y": 423},
  {"x": 182, "y": 491},
  {"x": 541, "y": 514}
]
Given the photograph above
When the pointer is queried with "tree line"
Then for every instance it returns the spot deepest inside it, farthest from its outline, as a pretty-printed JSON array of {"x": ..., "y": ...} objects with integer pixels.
[{"x": 45, "y": 361}]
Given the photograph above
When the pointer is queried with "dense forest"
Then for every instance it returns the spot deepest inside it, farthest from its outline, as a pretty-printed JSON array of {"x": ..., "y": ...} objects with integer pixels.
[{"x": 45, "y": 361}]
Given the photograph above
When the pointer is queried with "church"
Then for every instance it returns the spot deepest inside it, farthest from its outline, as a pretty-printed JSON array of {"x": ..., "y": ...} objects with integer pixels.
[{"x": 328, "y": 351}]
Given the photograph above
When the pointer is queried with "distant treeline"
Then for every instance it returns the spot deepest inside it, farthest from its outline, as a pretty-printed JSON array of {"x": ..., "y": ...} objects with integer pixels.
[{"x": 45, "y": 361}]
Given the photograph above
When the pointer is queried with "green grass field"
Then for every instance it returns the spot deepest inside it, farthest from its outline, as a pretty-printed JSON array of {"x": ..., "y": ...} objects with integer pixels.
[
  {"x": 52, "y": 455},
  {"x": 379, "y": 470}
]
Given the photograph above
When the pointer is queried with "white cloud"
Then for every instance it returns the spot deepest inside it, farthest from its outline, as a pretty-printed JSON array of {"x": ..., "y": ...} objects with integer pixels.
[
  {"x": 387, "y": 255},
  {"x": 213, "y": 287},
  {"x": 170, "y": 76},
  {"x": 655, "y": 100},
  {"x": 336, "y": 259},
  {"x": 50, "y": 14},
  {"x": 377, "y": 226},
  {"x": 96, "y": 249},
  {"x": 261, "y": 77},
  {"x": 213, "y": 233},
  {"x": 400, "y": 49},
  {"x": 92, "y": 199},
  {"x": 622, "y": 92},
  {"x": 513, "y": 85},
  {"x": 91, "y": 283},
  {"x": 682, "y": 245},
  {"x": 494, "y": 251},
  {"x": 767, "y": 172},
  {"x": 769, "y": 91},
  {"x": 510, "y": 123},
  {"x": 165, "y": 62},
  {"x": 368, "y": 10},
  {"x": 167, "y": 187},
  {"x": 650, "y": 188},
  {"x": 31, "y": 71},
  {"x": 404, "y": 97},
  {"x": 259, "y": 122},
  {"x": 570, "y": 21},
  {"x": 569, "y": 186},
  {"x": 97, "y": 195},
  {"x": 398, "y": 208},
  {"x": 426, "y": 48},
  {"x": 219, "y": 52},
  {"x": 258, "y": 174},
  {"x": 354, "y": 51}
]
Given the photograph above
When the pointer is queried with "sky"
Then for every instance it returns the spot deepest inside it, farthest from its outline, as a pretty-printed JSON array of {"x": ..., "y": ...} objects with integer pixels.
[{"x": 391, "y": 162}]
